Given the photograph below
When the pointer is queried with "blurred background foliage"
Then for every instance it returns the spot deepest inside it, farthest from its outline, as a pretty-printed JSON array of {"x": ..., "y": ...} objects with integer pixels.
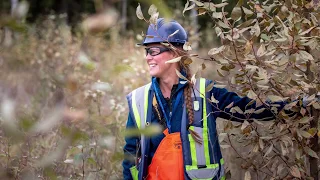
[{"x": 66, "y": 66}]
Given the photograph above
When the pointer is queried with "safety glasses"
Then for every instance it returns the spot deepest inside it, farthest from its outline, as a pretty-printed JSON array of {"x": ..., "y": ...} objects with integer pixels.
[{"x": 153, "y": 51}]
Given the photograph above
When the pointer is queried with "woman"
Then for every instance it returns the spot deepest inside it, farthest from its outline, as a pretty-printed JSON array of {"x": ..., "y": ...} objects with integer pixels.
[{"x": 188, "y": 148}]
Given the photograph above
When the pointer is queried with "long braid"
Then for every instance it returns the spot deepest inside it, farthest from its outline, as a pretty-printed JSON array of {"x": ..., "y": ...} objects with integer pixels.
[
  {"x": 189, "y": 104},
  {"x": 187, "y": 97}
]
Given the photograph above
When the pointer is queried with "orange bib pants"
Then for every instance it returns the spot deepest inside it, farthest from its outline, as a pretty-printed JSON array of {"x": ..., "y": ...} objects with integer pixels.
[{"x": 167, "y": 162}]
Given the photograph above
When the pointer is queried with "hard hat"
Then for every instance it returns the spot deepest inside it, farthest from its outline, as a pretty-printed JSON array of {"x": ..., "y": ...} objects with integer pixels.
[{"x": 161, "y": 32}]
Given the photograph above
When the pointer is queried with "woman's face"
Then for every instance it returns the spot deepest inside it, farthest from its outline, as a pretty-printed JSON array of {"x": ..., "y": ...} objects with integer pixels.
[{"x": 156, "y": 57}]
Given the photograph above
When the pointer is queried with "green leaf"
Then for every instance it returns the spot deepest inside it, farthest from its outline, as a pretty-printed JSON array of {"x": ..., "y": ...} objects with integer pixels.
[
  {"x": 139, "y": 12},
  {"x": 310, "y": 152}
]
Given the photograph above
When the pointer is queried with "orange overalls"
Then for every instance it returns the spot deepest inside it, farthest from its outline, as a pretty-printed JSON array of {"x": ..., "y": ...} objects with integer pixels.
[{"x": 167, "y": 162}]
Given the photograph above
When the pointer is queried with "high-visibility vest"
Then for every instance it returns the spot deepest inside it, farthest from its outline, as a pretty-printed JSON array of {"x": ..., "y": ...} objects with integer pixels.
[{"x": 201, "y": 161}]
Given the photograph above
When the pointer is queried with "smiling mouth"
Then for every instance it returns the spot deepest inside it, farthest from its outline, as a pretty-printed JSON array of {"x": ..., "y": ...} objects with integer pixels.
[{"x": 152, "y": 65}]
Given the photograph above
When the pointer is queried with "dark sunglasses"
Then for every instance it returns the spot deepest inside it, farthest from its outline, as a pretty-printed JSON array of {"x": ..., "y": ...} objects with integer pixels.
[{"x": 153, "y": 51}]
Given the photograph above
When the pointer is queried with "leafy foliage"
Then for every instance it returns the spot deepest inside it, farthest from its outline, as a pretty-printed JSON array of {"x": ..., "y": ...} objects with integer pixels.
[{"x": 269, "y": 52}]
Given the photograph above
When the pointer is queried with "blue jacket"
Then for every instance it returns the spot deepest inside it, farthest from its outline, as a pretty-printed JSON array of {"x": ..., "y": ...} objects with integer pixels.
[{"x": 222, "y": 95}]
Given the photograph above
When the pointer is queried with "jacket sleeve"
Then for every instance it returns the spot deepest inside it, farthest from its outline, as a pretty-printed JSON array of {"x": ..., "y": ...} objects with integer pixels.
[
  {"x": 225, "y": 98},
  {"x": 129, "y": 149}
]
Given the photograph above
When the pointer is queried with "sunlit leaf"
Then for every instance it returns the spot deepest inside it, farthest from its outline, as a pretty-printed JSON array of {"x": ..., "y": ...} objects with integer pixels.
[
  {"x": 251, "y": 94},
  {"x": 214, "y": 99},
  {"x": 247, "y": 175},
  {"x": 247, "y": 11},
  {"x": 225, "y": 146},
  {"x": 174, "y": 60},
  {"x": 236, "y": 109},
  {"x": 217, "y": 15},
  {"x": 244, "y": 125},
  {"x": 187, "y": 7},
  {"x": 259, "y": 111},
  {"x": 306, "y": 31},
  {"x": 275, "y": 98},
  {"x": 153, "y": 19},
  {"x": 139, "y": 12},
  {"x": 214, "y": 51},
  {"x": 152, "y": 9},
  {"x": 221, "y": 5}
]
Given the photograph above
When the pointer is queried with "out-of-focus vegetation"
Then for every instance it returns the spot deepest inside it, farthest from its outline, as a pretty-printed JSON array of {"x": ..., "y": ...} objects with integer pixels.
[
  {"x": 62, "y": 97},
  {"x": 66, "y": 66}
]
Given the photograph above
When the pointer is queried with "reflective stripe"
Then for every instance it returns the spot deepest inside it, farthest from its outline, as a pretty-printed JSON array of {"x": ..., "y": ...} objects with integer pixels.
[
  {"x": 140, "y": 110},
  {"x": 205, "y": 122},
  {"x": 146, "y": 94},
  {"x": 134, "y": 172},
  {"x": 210, "y": 166},
  {"x": 193, "y": 149},
  {"x": 135, "y": 109}
]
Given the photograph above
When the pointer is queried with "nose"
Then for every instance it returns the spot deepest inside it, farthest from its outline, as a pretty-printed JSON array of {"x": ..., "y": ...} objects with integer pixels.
[{"x": 148, "y": 57}]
